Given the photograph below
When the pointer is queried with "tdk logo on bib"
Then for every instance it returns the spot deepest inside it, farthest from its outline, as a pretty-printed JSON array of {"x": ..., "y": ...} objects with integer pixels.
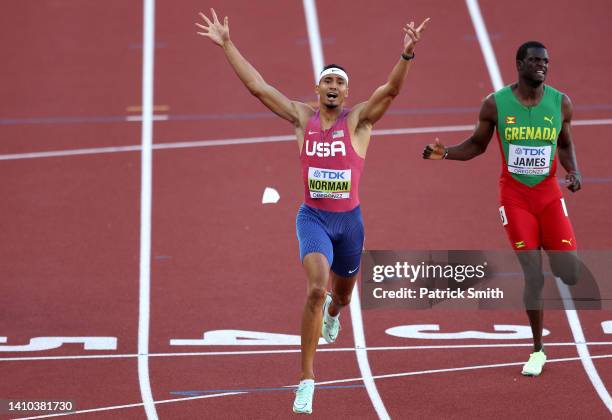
[
  {"x": 325, "y": 174},
  {"x": 526, "y": 151},
  {"x": 329, "y": 183},
  {"x": 524, "y": 160},
  {"x": 323, "y": 149}
]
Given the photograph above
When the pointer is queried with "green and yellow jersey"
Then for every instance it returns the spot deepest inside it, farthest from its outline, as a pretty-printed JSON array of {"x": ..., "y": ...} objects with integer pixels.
[{"x": 528, "y": 135}]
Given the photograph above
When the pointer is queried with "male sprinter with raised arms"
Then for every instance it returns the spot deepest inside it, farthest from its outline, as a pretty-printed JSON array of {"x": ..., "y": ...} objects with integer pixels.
[
  {"x": 532, "y": 121},
  {"x": 333, "y": 141}
]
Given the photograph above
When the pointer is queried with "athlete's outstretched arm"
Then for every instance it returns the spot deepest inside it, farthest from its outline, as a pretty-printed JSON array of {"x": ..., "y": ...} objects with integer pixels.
[
  {"x": 295, "y": 112},
  {"x": 374, "y": 108},
  {"x": 565, "y": 147},
  {"x": 476, "y": 144}
]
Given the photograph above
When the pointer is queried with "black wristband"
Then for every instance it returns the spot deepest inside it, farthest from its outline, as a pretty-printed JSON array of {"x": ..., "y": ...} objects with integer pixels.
[{"x": 407, "y": 57}]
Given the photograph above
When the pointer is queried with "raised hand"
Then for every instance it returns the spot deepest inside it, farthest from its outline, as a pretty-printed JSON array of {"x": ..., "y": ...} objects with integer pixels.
[
  {"x": 413, "y": 35},
  {"x": 217, "y": 32},
  {"x": 435, "y": 151}
]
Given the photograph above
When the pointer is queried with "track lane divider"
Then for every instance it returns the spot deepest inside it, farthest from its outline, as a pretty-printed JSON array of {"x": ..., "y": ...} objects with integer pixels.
[
  {"x": 144, "y": 306},
  {"x": 253, "y": 140}
]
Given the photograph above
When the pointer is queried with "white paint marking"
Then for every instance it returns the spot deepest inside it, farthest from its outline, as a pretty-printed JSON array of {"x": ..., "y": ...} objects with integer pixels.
[
  {"x": 337, "y": 381},
  {"x": 144, "y": 309},
  {"x": 74, "y": 152},
  {"x": 583, "y": 350},
  {"x": 138, "y": 118},
  {"x": 606, "y": 326},
  {"x": 459, "y": 369},
  {"x": 314, "y": 38},
  {"x": 362, "y": 356},
  {"x": 49, "y": 343},
  {"x": 604, "y": 121},
  {"x": 241, "y": 338},
  {"x": 251, "y": 140},
  {"x": 429, "y": 331},
  {"x": 485, "y": 44},
  {"x": 270, "y": 196},
  {"x": 288, "y": 351}
]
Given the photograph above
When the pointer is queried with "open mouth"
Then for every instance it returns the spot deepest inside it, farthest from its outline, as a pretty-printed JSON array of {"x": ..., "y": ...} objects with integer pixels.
[{"x": 332, "y": 95}]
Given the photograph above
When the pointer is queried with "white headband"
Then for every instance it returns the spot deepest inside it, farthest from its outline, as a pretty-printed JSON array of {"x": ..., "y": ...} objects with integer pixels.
[{"x": 336, "y": 71}]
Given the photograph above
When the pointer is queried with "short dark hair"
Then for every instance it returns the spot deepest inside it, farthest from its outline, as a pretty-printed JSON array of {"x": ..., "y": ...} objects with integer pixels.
[
  {"x": 329, "y": 66},
  {"x": 521, "y": 53}
]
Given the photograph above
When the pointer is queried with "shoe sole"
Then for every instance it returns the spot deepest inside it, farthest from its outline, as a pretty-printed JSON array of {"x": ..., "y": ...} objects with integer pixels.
[
  {"x": 533, "y": 375},
  {"x": 302, "y": 412}
]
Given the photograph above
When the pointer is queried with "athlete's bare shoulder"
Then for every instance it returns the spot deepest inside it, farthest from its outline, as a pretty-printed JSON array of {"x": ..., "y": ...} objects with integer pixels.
[
  {"x": 566, "y": 108},
  {"x": 303, "y": 112},
  {"x": 488, "y": 109}
]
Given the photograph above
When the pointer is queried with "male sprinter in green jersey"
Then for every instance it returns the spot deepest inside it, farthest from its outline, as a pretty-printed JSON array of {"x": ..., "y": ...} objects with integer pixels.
[{"x": 533, "y": 122}]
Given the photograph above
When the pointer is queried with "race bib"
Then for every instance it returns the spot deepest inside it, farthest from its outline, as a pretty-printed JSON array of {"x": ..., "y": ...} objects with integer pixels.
[
  {"x": 329, "y": 183},
  {"x": 527, "y": 160}
]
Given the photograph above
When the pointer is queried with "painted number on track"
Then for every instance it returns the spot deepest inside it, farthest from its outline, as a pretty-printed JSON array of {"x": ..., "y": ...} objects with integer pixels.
[
  {"x": 430, "y": 331},
  {"x": 241, "y": 338},
  {"x": 49, "y": 343}
]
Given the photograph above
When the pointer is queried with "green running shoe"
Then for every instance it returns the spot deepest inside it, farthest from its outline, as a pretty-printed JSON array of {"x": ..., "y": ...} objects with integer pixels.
[
  {"x": 534, "y": 366},
  {"x": 331, "y": 325},
  {"x": 303, "y": 397}
]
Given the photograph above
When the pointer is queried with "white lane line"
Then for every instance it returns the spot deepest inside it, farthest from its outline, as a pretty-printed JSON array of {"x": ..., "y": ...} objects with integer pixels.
[
  {"x": 459, "y": 369},
  {"x": 137, "y": 118},
  {"x": 224, "y": 142},
  {"x": 316, "y": 51},
  {"x": 603, "y": 121},
  {"x": 485, "y": 44},
  {"x": 362, "y": 355},
  {"x": 314, "y": 37},
  {"x": 572, "y": 315},
  {"x": 336, "y": 381},
  {"x": 289, "y": 351},
  {"x": 254, "y": 140},
  {"x": 73, "y": 152},
  {"x": 145, "y": 208},
  {"x": 583, "y": 350}
]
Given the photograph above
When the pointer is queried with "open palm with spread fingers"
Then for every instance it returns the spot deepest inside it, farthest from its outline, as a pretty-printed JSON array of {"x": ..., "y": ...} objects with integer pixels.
[
  {"x": 413, "y": 35},
  {"x": 217, "y": 32}
]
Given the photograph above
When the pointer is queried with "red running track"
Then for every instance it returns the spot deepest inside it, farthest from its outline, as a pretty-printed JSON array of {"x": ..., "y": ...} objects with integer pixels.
[{"x": 223, "y": 261}]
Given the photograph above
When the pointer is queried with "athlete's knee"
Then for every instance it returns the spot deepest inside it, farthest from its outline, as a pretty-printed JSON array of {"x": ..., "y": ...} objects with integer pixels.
[
  {"x": 532, "y": 292},
  {"x": 534, "y": 283},
  {"x": 566, "y": 266},
  {"x": 569, "y": 279},
  {"x": 316, "y": 296}
]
